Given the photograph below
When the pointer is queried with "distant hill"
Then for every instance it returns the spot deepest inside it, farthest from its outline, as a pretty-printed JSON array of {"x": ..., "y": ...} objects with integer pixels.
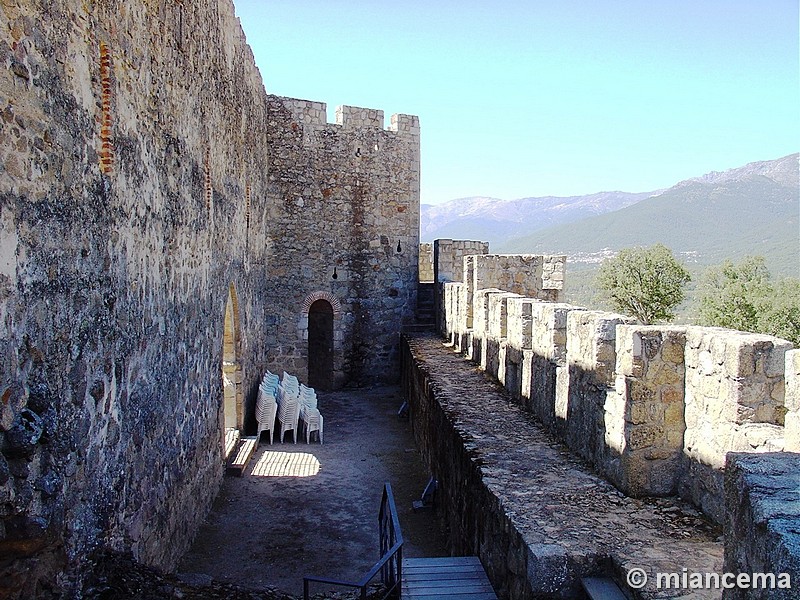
[
  {"x": 746, "y": 211},
  {"x": 496, "y": 221}
]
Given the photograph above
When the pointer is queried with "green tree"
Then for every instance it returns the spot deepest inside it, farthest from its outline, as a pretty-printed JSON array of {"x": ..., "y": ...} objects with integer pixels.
[
  {"x": 742, "y": 296},
  {"x": 732, "y": 295},
  {"x": 780, "y": 314},
  {"x": 647, "y": 283}
]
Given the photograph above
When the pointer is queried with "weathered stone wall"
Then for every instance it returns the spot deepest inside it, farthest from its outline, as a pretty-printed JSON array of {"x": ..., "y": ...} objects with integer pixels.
[
  {"x": 545, "y": 374},
  {"x": 533, "y": 276},
  {"x": 792, "y": 418},
  {"x": 343, "y": 225},
  {"x": 449, "y": 298},
  {"x": 448, "y": 257},
  {"x": 426, "y": 262},
  {"x": 734, "y": 402},
  {"x": 761, "y": 523},
  {"x": 655, "y": 409},
  {"x": 448, "y": 266},
  {"x": 496, "y": 336},
  {"x": 644, "y": 414},
  {"x": 131, "y": 197},
  {"x": 147, "y": 182},
  {"x": 534, "y": 513},
  {"x": 529, "y": 275},
  {"x": 591, "y": 362}
]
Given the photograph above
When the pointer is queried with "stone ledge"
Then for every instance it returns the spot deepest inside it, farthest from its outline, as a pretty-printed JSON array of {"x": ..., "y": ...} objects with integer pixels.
[{"x": 519, "y": 499}]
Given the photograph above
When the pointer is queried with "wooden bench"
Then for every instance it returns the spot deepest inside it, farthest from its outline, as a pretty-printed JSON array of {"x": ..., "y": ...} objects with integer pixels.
[
  {"x": 445, "y": 578},
  {"x": 241, "y": 454}
]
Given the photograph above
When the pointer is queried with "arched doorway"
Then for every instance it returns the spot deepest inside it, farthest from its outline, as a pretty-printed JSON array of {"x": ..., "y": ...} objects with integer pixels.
[
  {"x": 320, "y": 345},
  {"x": 231, "y": 373}
]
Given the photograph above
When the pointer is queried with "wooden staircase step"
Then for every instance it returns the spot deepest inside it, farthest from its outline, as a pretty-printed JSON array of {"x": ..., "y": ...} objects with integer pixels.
[{"x": 445, "y": 578}]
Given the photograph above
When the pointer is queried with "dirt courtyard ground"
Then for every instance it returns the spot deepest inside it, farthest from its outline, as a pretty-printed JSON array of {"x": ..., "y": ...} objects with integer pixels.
[{"x": 310, "y": 509}]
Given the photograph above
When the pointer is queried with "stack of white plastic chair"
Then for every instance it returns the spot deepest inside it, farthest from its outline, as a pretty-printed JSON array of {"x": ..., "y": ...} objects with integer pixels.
[
  {"x": 289, "y": 404},
  {"x": 309, "y": 413},
  {"x": 290, "y": 384},
  {"x": 267, "y": 405},
  {"x": 271, "y": 381}
]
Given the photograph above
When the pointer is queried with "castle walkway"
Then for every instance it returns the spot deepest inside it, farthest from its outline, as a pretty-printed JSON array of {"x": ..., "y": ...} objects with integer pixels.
[
  {"x": 310, "y": 509},
  {"x": 537, "y": 512},
  {"x": 537, "y": 516}
]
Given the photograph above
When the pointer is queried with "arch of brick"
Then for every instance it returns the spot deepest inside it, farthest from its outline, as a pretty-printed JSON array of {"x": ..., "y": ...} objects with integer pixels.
[{"x": 322, "y": 295}]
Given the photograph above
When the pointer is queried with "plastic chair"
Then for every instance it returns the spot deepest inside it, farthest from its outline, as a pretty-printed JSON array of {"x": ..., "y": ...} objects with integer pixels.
[
  {"x": 288, "y": 415},
  {"x": 266, "y": 411},
  {"x": 309, "y": 413},
  {"x": 312, "y": 421}
]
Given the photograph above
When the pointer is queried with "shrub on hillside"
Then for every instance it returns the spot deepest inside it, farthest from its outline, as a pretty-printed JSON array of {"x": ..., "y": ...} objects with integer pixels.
[
  {"x": 647, "y": 283},
  {"x": 742, "y": 296}
]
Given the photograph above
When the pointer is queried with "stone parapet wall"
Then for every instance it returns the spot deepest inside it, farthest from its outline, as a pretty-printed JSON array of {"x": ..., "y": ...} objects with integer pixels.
[
  {"x": 537, "y": 517},
  {"x": 531, "y": 275},
  {"x": 356, "y": 117},
  {"x": 450, "y": 295},
  {"x": 448, "y": 266},
  {"x": 734, "y": 402},
  {"x": 591, "y": 360},
  {"x": 644, "y": 423},
  {"x": 448, "y": 257},
  {"x": 761, "y": 516},
  {"x": 534, "y": 276},
  {"x": 545, "y": 375},
  {"x": 792, "y": 418},
  {"x": 426, "y": 262},
  {"x": 656, "y": 409},
  {"x": 496, "y": 333}
]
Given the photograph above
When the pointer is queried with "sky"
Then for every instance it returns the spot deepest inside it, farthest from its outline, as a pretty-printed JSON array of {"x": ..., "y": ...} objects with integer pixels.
[{"x": 549, "y": 97}]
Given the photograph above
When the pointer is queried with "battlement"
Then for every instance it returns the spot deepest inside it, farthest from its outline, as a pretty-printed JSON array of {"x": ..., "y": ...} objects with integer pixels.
[
  {"x": 311, "y": 112},
  {"x": 656, "y": 409}
]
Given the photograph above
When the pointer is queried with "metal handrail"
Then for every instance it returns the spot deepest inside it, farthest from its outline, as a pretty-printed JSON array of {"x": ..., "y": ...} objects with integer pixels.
[{"x": 390, "y": 564}]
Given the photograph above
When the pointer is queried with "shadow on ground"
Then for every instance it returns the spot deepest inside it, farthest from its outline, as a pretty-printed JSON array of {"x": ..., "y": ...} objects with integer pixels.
[{"x": 310, "y": 509}]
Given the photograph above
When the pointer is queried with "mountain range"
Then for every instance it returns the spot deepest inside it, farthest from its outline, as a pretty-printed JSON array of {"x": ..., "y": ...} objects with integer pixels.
[
  {"x": 750, "y": 210},
  {"x": 496, "y": 221}
]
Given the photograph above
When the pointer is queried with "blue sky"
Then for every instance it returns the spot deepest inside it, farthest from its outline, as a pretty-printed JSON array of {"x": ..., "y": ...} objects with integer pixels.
[{"x": 549, "y": 97}]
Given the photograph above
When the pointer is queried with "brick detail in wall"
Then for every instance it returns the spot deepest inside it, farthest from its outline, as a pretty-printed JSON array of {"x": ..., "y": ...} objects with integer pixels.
[
  {"x": 314, "y": 296},
  {"x": 207, "y": 179},
  {"x": 106, "y": 139},
  {"x": 247, "y": 206}
]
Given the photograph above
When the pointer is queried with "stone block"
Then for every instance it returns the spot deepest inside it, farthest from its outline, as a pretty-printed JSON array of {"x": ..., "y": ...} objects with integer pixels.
[
  {"x": 520, "y": 322},
  {"x": 792, "y": 418},
  {"x": 549, "y": 330},
  {"x": 591, "y": 343},
  {"x": 498, "y": 315},
  {"x": 761, "y": 516}
]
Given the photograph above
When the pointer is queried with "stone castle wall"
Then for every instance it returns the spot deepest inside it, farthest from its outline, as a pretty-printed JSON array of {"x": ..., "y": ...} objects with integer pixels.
[
  {"x": 343, "y": 223},
  {"x": 735, "y": 387},
  {"x": 426, "y": 262},
  {"x": 656, "y": 408},
  {"x": 761, "y": 535},
  {"x": 792, "y": 399},
  {"x": 448, "y": 265},
  {"x": 146, "y": 181},
  {"x": 126, "y": 168}
]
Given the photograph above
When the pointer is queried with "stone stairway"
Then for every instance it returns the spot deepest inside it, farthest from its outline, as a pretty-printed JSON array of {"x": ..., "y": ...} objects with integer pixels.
[{"x": 426, "y": 318}]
